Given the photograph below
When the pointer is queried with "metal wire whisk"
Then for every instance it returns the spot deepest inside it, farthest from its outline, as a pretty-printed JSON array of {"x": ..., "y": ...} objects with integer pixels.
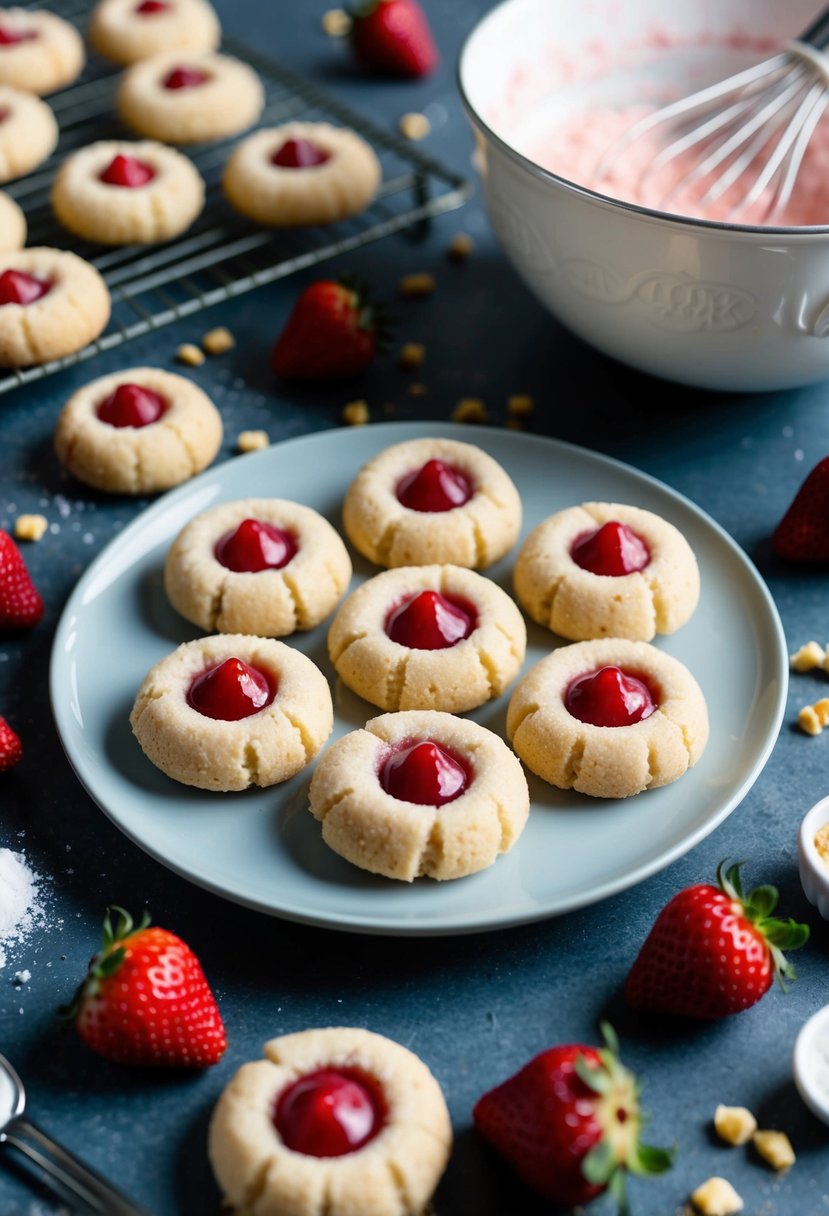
[{"x": 750, "y": 131}]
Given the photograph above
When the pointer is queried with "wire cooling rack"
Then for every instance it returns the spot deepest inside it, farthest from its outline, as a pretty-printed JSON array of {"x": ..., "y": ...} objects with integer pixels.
[{"x": 221, "y": 256}]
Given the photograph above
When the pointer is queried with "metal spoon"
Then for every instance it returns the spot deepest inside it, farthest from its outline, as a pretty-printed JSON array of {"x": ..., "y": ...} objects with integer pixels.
[{"x": 70, "y": 1176}]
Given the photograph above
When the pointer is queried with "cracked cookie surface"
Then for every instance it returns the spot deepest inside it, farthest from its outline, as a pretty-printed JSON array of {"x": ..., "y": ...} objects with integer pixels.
[
  {"x": 124, "y": 32},
  {"x": 455, "y": 678},
  {"x": 28, "y": 132},
  {"x": 12, "y": 224},
  {"x": 269, "y": 602},
  {"x": 404, "y": 839},
  {"x": 474, "y": 534},
  {"x": 263, "y": 749},
  {"x": 608, "y": 761},
  {"x": 66, "y": 317},
  {"x": 143, "y": 459},
  {"x": 394, "y": 1174},
  {"x": 578, "y": 604}
]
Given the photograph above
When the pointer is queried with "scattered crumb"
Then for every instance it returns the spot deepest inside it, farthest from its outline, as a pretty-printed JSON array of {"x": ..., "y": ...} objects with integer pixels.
[
  {"x": 469, "y": 409},
  {"x": 412, "y": 355},
  {"x": 421, "y": 283},
  {"x": 30, "y": 527},
  {"x": 520, "y": 405},
  {"x": 22, "y": 977},
  {"x": 414, "y": 126},
  {"x": 218, "y": 341},
  {"x": 822, "y": 842},
  {"x": 716, "y": 1197},
  {"x": 460, "y": 247},
  {"x": 356, "y": 413},
  {"x": 417, "y": 390},
  {"x": 336, "y": 23},
  {"x": 775, "y": 1148},
  {"x": 190, "y": 354},
  {"x": 813, "y": 718},
  {"x": 252, "y": 441},
  {"x": 734, "y": 1124},
  {"x": 808, "y": 657}
]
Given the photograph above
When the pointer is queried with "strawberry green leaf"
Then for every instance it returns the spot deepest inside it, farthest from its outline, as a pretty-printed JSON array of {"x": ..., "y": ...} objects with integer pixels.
[
  {"x": 647, "y": 1160},
  {"x": 108, "y": 964},
  {"x": 786, "y": 934},
  {"x": 600, "y": 1163},
  {"x": 610, "y": 1037},
  {"x": 617, "y": 1188},
  {"x": 594, "y": 1078},
  {"x": 761, "y": 902}
]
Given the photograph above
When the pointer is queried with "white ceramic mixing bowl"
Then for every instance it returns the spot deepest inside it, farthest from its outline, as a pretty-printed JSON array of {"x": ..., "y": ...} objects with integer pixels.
[{"x": 717, "y": 305}]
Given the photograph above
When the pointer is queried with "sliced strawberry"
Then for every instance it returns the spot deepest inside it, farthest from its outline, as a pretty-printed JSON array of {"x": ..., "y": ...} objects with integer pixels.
[
  {"x": 330, "y": 334},
  {"x": 803, "y": 533},
  {"x": 393, "y": 36},
  {"x": 20, "y": 604},
  {"x": 11, "y": 749}
]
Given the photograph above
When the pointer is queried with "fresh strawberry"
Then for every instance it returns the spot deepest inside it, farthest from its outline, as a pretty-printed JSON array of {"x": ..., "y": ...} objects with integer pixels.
[
  {"x": 145, "y": 1000},
  {"x": 20, "y": 604},
  {"x": 331, "y": 334},
  {"x": 11, "y": 749},
  {"x": 393, "y": 36},
  {"x": 569, "y": 1122},
  {"x": 713, "y": 951},
  {"x": 803, "y": 533}
]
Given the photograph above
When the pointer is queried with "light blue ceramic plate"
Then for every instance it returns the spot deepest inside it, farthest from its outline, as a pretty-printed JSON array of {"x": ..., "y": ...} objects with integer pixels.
[{"x": 263, "y": 848}]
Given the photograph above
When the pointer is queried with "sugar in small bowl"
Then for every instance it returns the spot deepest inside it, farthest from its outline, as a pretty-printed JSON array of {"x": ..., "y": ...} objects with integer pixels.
[{"x": 813, "y": 856}]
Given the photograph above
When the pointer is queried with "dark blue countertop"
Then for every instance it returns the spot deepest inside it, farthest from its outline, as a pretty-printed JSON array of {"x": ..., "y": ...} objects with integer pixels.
[{"x": 475, "y": 1009}]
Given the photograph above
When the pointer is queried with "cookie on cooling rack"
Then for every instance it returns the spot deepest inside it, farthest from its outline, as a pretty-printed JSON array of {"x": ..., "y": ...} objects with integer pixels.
[
  {"x": 185, "y": 98},
  {"x": 231, "y": 711},
  {"x": 420, "y": 793},
  {"x": 28, "y": 132},
  {"x": 138, "y": 431},
  {"x": 39, "y": 51},
  {"x": 302, "y": 173},
  {"x": 432, "y": 500},
  {"x": 12, "y": 224},
  {"x": 52, "y": 303},
  {"x": 428, "y": 637},
  {"x": 608, "y": 718},
  {"x": 121, "y": 193},
  {"x": 607, "y": 570},
  {"x": 126, "y": 31},
  {"x": 337, "y": 1120},
  {"x": 260, "y": 565}
]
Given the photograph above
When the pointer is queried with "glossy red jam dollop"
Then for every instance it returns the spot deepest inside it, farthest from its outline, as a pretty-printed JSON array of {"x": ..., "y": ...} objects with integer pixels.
[
  {"x": 230, "y": 691},
  {"x": 425, "y": 773},
  {"x": 614, "y": 549},
  {"x": 431, "y": 621},
  {"x": 300, "y": 154},
  {"x": 10, "y": 37},
  {"x": 17, "y": 287},
  {"x": 151, "y": 8},
  {"x": 330, "y": 1112},
  {"x": 131, "y": 405},
  {"x": 4, "y": 113},
  {"x": 185, "y": 78},
  {"x": 434, "y": 487},
  {"x": 255, "y": 546},
  {"x": 609, "y": 697},
  {"x": 128, "y": 172}
]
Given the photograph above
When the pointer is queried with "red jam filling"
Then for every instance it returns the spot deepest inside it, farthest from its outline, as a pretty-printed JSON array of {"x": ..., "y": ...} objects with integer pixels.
[
  {"x": 131, "y": 405},
  {"x": 151, "y": 8},
  {"x": 17, "y": 287},
  {"x": 431, "y": 621},
  {"x": 4, "y": 113},
  {"x": 434, "y": 487},
  {"x": 609, "y": 697},
  {"x": 330, "y": 1112},
  {"x": 185, "y": 78},
  {"x": 614, "y": 549},
  {"x": 127, "y": 171},
  {"x": 10, "y": 37},
  {"x": 424, "y": 773},
  {"x": 255, "y": 546},
  {"x": 300, "y": 154},
  {"x": 230, "y": 691}
]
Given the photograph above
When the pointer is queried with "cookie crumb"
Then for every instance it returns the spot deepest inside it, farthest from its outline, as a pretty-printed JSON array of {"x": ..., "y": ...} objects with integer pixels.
[
  {"x": 421, "y": 283},
  {"x": 190, "y": 354},
  {"x": 252, "y": 441},
  {"x": 469, "y": 409},
  {"x": 30, "y": 527},
  {"x": 356, "y": 413},
  {"x": 412, "y": 355},
  {"x": 813, "y": 718},
  {"x": 808, "y": 657},
  {"x": 716, "y": 1197},
  {"x": 520, "y": 405},
  {"x": 775, "y": 1148},
  {"x": 218, "y": 341},
  {"x": 460, "y": 247},
  {"x": 417, "y": 389},
  {"x": 336, "y": 23},
  {"x": 414, "y": 126},
  {"x": 734, "y": 1124}
]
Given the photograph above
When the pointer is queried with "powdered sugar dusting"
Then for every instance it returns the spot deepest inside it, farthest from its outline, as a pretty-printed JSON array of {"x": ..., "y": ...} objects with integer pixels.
[{"x": 21, "y": 901}]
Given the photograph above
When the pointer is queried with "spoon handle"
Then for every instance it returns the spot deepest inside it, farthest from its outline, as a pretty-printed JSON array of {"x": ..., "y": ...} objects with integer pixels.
[{"x": 99, "y": 1196}]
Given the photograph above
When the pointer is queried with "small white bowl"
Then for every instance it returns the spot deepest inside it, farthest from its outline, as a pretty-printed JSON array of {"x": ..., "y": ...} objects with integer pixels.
[
  {"x": 814, "y": 871},
  {"x": 810, "y": 1062}
]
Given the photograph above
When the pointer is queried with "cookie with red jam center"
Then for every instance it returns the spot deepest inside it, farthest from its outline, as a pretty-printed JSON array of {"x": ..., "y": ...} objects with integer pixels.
[
  {"x": 28, "y": 135},
  {"x": 340, "y": 1119},
  {"x": 609, "y": 718},
  {"x": 52, "y": 304},
  {"x": 126, "y": 31},
  {"x": 39, "y": 51}
]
